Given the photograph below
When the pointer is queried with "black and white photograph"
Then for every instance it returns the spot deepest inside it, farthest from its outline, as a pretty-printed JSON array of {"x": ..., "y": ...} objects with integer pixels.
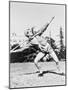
[{"x": 37, "y": 44}]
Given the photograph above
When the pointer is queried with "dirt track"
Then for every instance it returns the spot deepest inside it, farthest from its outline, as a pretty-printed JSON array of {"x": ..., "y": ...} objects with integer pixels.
[{"x": 23, "y": 75}]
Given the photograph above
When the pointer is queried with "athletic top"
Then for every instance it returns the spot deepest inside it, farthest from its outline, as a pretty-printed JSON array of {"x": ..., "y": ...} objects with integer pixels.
[{"x": 44, "y": 45}]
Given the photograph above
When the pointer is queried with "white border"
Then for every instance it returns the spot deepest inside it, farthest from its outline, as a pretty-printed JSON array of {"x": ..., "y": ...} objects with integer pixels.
[{"x": 4, "y": 46}]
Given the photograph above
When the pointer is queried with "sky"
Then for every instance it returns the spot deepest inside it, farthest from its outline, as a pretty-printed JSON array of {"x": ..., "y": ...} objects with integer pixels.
[{"x": 27, "y": 15}]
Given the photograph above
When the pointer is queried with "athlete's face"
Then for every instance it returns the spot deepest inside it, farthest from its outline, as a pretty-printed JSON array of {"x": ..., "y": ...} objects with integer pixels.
[{"x": 30, "y": 33}]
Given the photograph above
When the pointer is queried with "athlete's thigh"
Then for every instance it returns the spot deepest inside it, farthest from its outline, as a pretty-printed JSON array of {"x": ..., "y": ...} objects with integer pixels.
[
  {"x": 39, "y": 56},
  {"x": 54, "y": 56}
]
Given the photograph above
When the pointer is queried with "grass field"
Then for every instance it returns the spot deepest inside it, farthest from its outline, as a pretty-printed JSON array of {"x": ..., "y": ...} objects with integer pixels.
[{"x": 24, "y": 75}]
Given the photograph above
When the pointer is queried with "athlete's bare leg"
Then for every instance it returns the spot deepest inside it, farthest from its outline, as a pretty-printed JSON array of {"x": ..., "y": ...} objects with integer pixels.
[
  {"x": 54, "y": 56},
  {"x": 37, "y": 59},
  {"x": 46, "y": 57}
]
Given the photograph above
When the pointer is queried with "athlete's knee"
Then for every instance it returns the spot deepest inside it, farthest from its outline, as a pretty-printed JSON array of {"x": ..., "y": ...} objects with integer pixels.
[{"x": 35, "y": 61}]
